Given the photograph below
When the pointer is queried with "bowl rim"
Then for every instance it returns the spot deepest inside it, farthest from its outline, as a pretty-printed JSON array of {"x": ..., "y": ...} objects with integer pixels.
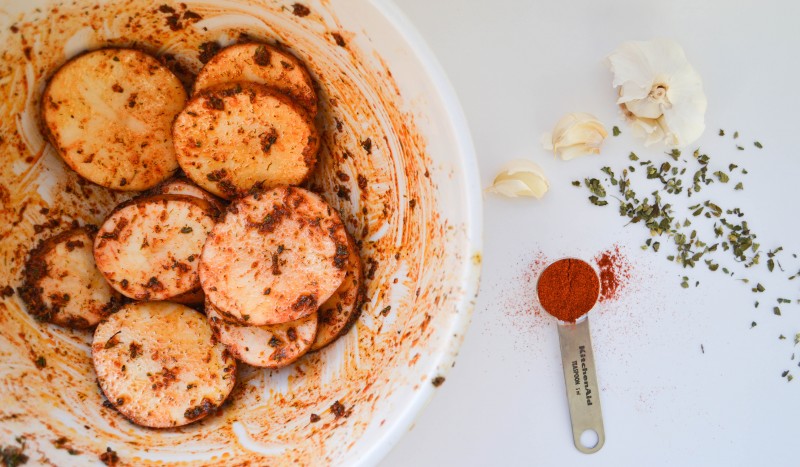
[{"x": 470, "y": 276}]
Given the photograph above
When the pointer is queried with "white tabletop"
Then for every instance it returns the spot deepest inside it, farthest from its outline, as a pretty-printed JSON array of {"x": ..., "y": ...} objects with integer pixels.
[{"x": 517, "y": 67}]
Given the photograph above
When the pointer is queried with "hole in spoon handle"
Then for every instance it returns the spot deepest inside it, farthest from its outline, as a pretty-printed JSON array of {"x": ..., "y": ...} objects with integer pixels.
[{"x": 583, "y": 394}]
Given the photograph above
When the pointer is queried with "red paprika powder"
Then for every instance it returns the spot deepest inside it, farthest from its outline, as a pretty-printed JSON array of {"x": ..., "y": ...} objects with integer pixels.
[
  {"x": 568, "y": 289},
  {"x": 615, "y": 272}
]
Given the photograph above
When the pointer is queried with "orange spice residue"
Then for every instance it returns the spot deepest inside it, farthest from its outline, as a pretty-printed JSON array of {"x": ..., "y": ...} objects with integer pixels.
[
  {"x": 519, "y": 301},
  {"x": 614, "y": 273},
  {"x": 529, "y": 303}
]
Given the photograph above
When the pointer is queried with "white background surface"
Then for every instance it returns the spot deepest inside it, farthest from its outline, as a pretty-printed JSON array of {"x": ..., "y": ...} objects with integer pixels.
[{"x": 517, "y": 67}]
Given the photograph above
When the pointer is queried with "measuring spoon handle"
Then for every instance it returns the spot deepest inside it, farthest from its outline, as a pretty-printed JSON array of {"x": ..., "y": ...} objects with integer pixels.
[{"x": 583, "y": 394}]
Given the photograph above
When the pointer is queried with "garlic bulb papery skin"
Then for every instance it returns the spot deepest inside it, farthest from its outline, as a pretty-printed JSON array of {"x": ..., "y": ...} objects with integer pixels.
[
  {"x": 520, "y": 177},
  {"x": 576, "y": 134},
  {"x": 660, "y": 93}
]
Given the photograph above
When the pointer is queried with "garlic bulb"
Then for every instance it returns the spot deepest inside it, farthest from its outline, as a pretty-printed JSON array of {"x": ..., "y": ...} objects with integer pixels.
[
  {"x": 660, "y": 93},
  {"x": 576, "y": 134},
  {"x": 520, "y": 178}
]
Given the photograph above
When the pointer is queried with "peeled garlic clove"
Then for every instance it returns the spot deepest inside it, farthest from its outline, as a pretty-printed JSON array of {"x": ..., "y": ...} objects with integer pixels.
[
  {"x": 511, "y": 189},
  {"x": 645, "y": 108},
  {"x": 648, "y": 129},
  {"x": 571, "y": 152},
  {"x": 520, "y": 178},
  {"x": 660, "y": 93},
  {"x": 576, "y": 134}
]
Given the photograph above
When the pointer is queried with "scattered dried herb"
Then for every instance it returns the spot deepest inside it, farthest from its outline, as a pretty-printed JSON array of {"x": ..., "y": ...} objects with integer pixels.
[
  {"x": 208, "y": 50},
  {"x": 12, "y": 456},
  {"x": 722, "y": 176},
  {"x": 723, "y": 239},
  {"x": 298, "y": 9},
  {"x": 367, "y": 145},
  {"x": 597, "y": 202},
  {"x": 6, "y": 291},
  {"x": 112, "y": 341},
  {"x": 338, "y": 39},
  {"x": 262, "y": 56},
  {"x": 595, "y": 187},
  {"x": 109, "y": 457},
  {"x": 338, "y": 409}
]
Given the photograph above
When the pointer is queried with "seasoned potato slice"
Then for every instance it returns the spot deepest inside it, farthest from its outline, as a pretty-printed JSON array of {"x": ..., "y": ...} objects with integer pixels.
[
  {"x": 274, "y": 257},
  {"x": 263, "y": 64},
  {"x": 109, "y": 114},
  {"x": 159, "y": 366},
  {"x": 271, "y": 346},
  {"x": 149, "y": 247},
  {"x": 338, "y": 314},
  {"x": 229, "y": 140},
  {"x": 62, "y": 285},
  {"x": 182, "y": 186}
]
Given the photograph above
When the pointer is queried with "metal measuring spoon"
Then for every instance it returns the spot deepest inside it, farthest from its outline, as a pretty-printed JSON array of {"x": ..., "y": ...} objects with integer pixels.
[{"x": 577, "y": 359}]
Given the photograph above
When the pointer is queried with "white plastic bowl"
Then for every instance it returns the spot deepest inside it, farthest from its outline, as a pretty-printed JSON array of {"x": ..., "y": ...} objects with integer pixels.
[{"x": 411, "y": 196}]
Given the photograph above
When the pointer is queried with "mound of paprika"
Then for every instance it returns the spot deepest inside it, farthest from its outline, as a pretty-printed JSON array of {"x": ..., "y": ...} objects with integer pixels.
[{"x": 568, "y": 289}]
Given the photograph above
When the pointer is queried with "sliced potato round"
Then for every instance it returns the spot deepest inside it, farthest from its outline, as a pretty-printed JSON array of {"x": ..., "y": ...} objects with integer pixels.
[
  {"x": 263, "y": 64},
  {"x": 274, "y": 257},
  {"x": 62, "y": 285},
  {"x": 183, "y": 186},
  {"x": 109, "y": 114},
  {"x": 232, "y": 139},
  {"x": 271, "y": 346},
  {"x": 149, "y": 247},
  {"x": 338, "y": 314},
  {"x": 158, "y": 364}
]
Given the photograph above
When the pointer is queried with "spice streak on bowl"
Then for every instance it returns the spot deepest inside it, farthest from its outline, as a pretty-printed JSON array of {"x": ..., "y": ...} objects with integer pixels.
[{"x": 374, "y": 168}]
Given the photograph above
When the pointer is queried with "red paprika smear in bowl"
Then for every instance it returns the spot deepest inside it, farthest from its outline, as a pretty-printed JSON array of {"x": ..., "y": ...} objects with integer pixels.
[{"x": 568, "y": 289}]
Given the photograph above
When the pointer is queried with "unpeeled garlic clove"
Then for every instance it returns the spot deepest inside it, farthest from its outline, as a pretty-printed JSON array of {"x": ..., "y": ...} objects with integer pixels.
[
  {"x": 576, "y": 134},
  {"x": 660, "y": 93},
  {"x": 520, "y": 177}
]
